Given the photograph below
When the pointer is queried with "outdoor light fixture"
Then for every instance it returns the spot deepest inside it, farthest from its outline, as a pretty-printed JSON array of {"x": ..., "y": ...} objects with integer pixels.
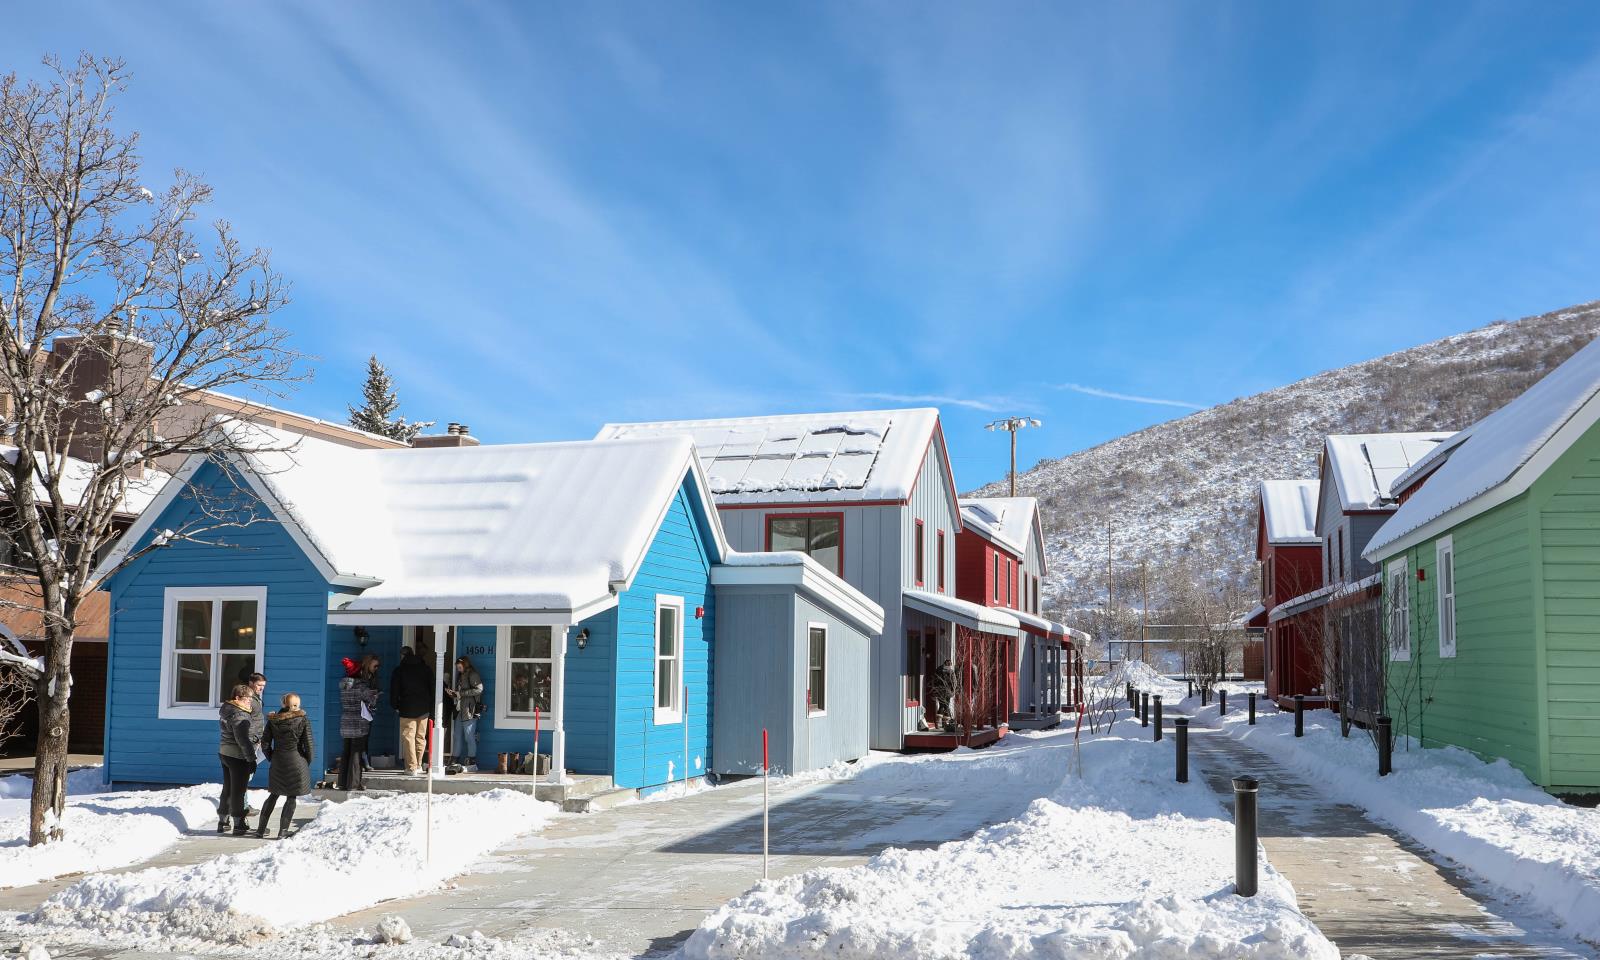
[
  {"x": 583, "y": 638},
  {"x": 1011, "y": 425},
  {"x": 362, "y": 635}
]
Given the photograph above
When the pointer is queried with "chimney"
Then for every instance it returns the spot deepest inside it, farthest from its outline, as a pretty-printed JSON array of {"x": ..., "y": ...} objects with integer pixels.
[
  {"x": 455, "y": 435},
  {"x": 93, "y": 365}
]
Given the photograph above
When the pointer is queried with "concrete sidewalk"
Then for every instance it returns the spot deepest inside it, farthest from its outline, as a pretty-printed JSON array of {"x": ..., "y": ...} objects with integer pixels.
[{"x": 1372, "y": 892}]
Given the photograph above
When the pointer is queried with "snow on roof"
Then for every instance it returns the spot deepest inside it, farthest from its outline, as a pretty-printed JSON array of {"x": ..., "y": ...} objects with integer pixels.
[
  {"x": 1290, "y": 508},
  {"x": 1320, "y": 596},
  {"x": 791, "y": 567},
  {"x": 1494, "y": 452},
  {"x": 1049, "y": 628},
  {"x": 863, "y": 455},
  {"x": 76, "y": 475},
  {"x": 1365, "y": 466},
  {"x": 964, "y": 612},
  {"x": 1007, "y": 521},
  {"x": 1253, "y": 613},
  {"x": 544, "y": 526}
]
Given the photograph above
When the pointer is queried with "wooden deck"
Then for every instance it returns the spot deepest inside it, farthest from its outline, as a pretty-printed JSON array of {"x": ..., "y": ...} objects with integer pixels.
[{"x": 939, "y": 740}]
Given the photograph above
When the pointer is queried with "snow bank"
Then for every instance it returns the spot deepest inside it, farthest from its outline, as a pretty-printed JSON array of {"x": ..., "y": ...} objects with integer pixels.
[
  {"x": 353, "y": 855},
  {"x": 1071, "y": 877},
  {"x": 103, "y": 830},
  {"x": 19, "y": 786},
  {"x": 1485, "y": 816},
  {"x": 1144, "y": 677}
]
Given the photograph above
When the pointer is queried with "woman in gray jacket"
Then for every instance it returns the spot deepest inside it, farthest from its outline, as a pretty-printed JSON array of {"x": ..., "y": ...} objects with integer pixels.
[
  {"x": 238, "y": 756},
  {"x": 467, "y": 692}
]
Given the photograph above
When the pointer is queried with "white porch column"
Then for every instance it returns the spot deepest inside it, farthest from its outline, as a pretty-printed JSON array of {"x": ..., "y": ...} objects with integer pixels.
[
  {"x": 437, "y": 760},
  {"x": 558, "y": 699}
]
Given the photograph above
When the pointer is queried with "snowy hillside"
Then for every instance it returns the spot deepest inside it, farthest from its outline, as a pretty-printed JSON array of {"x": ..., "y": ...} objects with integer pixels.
[{"x": 1184, "y": 490}]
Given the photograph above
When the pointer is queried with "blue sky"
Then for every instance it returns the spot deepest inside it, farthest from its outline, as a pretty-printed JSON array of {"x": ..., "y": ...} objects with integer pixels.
[{"x": 543, "y": 217}]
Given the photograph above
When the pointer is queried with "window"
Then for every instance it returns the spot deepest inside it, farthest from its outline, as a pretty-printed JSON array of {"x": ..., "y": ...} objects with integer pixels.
[
  {"x": 997, "y": 577},
  {"x": 1341, "y": 553},
  {"x": 1446, "y": 576},
  {"x": 1035, "y": 594},
  {"x": 939, "y": 558},
  {"x": 208, "y": 635},
  {"x": 669, "y": 659},
  {"x": 817, "y": 676},
  {"x": 526, "y": 663},
  {"x": 1398, "y": 603},
  {"x": 921, "y": 557},
  {"x": 1011, "y": 584},
  {"x": 816, "y": 535}
]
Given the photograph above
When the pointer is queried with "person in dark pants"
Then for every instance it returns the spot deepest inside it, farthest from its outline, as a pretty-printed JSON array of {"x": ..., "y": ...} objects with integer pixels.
[
  {"x": 287, "y": 744},
  {"x": 944, "y": 689},
  {"x": 238, "y": 756},
  {"x": 358, "y": 695}
]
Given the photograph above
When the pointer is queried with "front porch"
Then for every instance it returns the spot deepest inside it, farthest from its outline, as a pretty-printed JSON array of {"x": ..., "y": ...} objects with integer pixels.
[
  {"x": 578, "y": 793},
  {"x": 930, "y": 740}
]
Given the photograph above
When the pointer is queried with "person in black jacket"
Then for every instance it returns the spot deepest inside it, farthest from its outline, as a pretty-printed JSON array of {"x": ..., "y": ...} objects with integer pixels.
[
  {"x": 238, "y": 756},
  {"x": 287, "y": 744},
  {"x": 411, "y": 695}
]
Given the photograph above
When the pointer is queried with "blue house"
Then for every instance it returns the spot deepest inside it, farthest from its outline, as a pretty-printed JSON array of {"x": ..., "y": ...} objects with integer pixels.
[{"x": 577, "y": 577}]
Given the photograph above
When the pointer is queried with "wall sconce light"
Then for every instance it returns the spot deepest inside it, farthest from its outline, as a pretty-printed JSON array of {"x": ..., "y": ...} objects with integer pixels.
[
  {"x": 583, "y": 638},
  {"x": 362, "y": 636}
]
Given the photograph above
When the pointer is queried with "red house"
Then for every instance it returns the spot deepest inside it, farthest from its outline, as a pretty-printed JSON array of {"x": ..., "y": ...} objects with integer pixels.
[{"x": 1289, "y": 554}]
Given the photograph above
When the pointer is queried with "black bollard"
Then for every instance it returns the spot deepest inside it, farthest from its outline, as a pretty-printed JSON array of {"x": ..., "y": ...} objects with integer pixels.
[
  {"x": 1222, "y": 701},
  {"x": 1244, "y": 835},
  {"x": 1299, "y": 715},
  {"x": 1252, "y": 708},
  {"x": 1180, "y": 725},
  {"x": 1144, "y": 708},
  {"x": 1205, "y": 696},
  {"x": 1190, "y": 682},
  {"x": 1157, "y": 735},
  {"x": 1385, "y": 745},
  {"x": 1344, "y": 718}
]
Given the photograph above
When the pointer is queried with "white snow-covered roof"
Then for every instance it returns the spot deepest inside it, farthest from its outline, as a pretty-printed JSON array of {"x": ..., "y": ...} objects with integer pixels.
[
  {"x": 512, "y": 527},
  {"x": 830, "y": 457},
  {"x": 793, "y": 568},
  {"x": 1320, "y": 596},
  {"x": 1290, "y": 509},
  {"x": 76, "y": 475},
  {"x": 1047, "y": 627},
  {"x": 1501, "y": 455},
  {"x": 1006, "y": 521},
  {"x": 964, "y": 612},
  {"x": 1364, "y": 466},
  {"x": 1254, "y": 612}
]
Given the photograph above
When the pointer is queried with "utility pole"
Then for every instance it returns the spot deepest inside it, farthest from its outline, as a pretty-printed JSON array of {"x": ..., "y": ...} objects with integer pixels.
[
  {"x": 1011, "y": 425},
  {"x": 1144, "y": 612}
]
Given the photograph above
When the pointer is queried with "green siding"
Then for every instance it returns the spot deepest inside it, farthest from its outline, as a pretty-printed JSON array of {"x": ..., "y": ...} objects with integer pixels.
[
  {"x": 1486, "y": 697},
  {"x": 1569, "y": 530}
]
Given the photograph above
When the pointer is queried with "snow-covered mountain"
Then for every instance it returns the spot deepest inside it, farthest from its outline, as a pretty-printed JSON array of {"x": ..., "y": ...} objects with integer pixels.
[{"x": 1184, "y": 490}]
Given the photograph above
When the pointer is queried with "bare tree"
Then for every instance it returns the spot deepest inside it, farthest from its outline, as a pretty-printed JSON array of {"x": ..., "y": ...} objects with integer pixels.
[
  {"x": 115, "y": 314},
  {"x": 16, "y": 690}
]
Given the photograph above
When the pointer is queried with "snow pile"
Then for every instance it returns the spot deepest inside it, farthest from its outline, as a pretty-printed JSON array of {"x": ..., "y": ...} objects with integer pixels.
[
  {"x": 19, "y": 786},
  {"x": 1485, "y": 816},
  {"x": 1144, "y": 677},
  {"x": 1071, "y": 877},
  {"x": 353, "y": 855},
  {"x": 103, "y": 830}
]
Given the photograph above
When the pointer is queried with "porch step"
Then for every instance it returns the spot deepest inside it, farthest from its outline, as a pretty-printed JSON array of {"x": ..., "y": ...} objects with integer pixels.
[
  {"x": 581, "y": 793},
  {"x": 1035, "y": 721}
]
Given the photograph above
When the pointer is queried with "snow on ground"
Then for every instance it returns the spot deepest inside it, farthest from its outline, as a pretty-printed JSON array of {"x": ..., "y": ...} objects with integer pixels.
[
  {"x": 1117, "y": 862},
  {"x": 1485, "y": 816},
  {"x": 353, "y": 855},
  {"x": 103, "y": 830}
]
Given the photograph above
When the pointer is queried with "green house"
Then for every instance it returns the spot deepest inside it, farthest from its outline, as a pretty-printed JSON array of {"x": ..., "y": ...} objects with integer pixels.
[{"x": 1491, "y": 585}]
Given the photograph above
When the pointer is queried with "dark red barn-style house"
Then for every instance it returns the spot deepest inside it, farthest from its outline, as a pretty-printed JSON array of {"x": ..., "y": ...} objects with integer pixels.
[{"x": 1289, "y": 554}]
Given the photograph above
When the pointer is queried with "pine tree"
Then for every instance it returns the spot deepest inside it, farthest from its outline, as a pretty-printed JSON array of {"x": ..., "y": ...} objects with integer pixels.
[{"x": 379, "y": 406}]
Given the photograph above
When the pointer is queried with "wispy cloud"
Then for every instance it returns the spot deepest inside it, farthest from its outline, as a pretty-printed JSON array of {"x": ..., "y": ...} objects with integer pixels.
[
  {"x": 1129, "y": 397},
  {"x": 986, "y": 404}
]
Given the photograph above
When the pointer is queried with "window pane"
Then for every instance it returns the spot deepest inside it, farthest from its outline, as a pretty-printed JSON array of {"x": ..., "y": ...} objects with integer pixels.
[
  {"x": 530, "y": 688},
  {"x": 530, "y": 643},
  {"x": 667, "y": 633},
  {"x": 664, "y": 684},
  {"x": 232, "y": 663},
  {"x": 788, "y": 534},
  {"x": 824, "y": 535},
  {"x": 193, "y": 680},
  {"x": 238, "y": 625},
  {"x": 194, "y": 625},
  {"x": 819, "y": 668}
]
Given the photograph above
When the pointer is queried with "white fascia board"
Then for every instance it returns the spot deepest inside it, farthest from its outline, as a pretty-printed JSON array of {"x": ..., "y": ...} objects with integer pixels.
[
  {"x": 692, "y": 467},
  {"x": 1520, "y": 482},
  {"x": 812, "y": 579},
  {"x": 468, "y": 618}
]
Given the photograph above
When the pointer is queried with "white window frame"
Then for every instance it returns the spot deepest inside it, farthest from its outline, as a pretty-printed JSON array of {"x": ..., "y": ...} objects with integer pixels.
[
  {"x": 504, "y": 719},
  {"x": 1399, "y": 616},
  {"x": 674, "y": 713},
  {"x": 1445, "y": 599},
  {"x": 166, "y": 709},
  {"x": 813, "y": 712}
]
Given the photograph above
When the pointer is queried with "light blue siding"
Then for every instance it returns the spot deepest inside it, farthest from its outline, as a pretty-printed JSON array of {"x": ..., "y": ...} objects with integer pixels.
[{"x": 140, "y": 747}]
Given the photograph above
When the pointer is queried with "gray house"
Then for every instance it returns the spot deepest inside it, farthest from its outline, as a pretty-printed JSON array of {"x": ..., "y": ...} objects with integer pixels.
[{"x": 870, "y": 496}]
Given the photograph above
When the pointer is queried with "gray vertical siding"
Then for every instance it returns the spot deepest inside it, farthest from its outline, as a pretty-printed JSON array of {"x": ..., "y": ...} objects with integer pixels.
[
  {"x": 753, "y": 675},
  {"x": 841, "y": 732},
  {"x": 1356, "y": 538}
]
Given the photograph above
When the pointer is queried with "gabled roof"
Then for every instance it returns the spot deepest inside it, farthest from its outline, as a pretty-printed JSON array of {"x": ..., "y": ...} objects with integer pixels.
[
  {"x": 870, "y": 455},
  {"x": 76, "y": 475},
  {"x": 1289, "y": 509},
  {"x": 1005, "y": 521},
  {"x": 1500, "y": 456},
  {"x": 514, "y": 527},
  {"x": 1364, "y": 466}
]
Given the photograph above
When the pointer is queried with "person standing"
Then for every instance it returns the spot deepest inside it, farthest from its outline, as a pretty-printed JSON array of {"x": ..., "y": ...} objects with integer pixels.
[
  {"x": 238, "y": 756},
  {"x": 287, "y": 745},
  {"x": 411, "y": 695},
  {"x": 358, "y": 695},
  {"x": 467, "y": 692}
]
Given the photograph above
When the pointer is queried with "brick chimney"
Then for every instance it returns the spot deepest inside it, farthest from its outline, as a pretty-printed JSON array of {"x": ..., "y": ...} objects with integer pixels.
[
  {"x": 455, "y": 435},
  {"x": 93, "y": 365}
]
